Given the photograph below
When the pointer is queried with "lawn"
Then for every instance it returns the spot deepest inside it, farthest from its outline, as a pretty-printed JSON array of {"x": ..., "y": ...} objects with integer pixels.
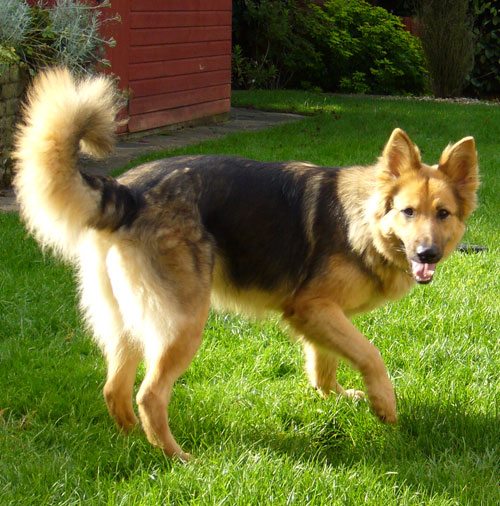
[{"x": 260, "y": 435}]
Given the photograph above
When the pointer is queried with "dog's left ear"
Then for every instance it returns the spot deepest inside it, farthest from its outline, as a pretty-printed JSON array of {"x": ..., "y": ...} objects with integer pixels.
[
  {"x": 459, "y": 163},
  {"x": 400, "y": 154}
]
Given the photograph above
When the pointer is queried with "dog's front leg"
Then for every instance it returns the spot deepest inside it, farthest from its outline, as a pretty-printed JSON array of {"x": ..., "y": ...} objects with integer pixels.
[
  {"x": 324, "y": 324},
  {"x": 321, "y": 368}
]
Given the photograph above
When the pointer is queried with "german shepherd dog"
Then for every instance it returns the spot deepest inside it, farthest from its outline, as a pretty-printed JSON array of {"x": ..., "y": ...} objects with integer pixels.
[{"x": 154, "y": 247}]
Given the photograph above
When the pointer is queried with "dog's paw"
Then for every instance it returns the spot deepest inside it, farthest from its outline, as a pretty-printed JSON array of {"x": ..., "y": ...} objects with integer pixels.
[
  {"x": 322, "y": 393},
  {"x": 386, "y": 416},
  {"x": 383, "y": 402},
  {"x": 182, "y": 457},
  {"x": 352, "y": 393}
]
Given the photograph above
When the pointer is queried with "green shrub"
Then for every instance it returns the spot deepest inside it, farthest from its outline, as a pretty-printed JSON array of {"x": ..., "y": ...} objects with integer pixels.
[
  {"x": 484, "y": 80},
  {"x": 346, "y": 45},
  {"x": 248, "y": 73},
  {"x": 398, "y": 7},
  {"x": 8, "y": 56},
  {"x": 67, "y": 33},
  {"x": 365, "y": 48},
  {"x": 14, "y": 22},
  {"x": 355, "y": 84},
  {"x": 271, "y": 44},
  {"x": 447, "y": 38}
]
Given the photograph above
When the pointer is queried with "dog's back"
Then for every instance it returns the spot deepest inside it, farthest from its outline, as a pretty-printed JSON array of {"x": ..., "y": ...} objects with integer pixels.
[{"x": 273, "y": 223}]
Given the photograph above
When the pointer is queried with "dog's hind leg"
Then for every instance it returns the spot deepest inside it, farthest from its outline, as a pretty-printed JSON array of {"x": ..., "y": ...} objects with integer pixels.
[
  {"x": 164, "y": 366},
  {"x": 321, "y": 368},
  {"x": 324, "y": 323},
  {"x": 105, "y": 319},
  {"x": 122, "y": 360},
  {"x": 163, "y": 292}
]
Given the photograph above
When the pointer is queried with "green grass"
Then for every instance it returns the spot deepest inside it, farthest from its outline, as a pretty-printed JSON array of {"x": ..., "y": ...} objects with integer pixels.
[{"x": 244, "y": 409}]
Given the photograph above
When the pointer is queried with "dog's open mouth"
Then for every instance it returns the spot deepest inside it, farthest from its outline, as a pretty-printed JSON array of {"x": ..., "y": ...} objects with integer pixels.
[{"x": 422, "y": 273}]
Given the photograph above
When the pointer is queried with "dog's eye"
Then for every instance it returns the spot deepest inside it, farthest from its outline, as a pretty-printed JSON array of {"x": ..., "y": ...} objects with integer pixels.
[
  {"x": 409, "y": 211},
  {"x": 443, "y": 213}
]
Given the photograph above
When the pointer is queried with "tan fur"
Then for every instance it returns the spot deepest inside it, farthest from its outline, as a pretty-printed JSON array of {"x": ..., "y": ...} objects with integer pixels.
[
  {"x": 61, "y": 113},
  {"x": 251, "y": 303},
  {"x": 146, "y": 287}
]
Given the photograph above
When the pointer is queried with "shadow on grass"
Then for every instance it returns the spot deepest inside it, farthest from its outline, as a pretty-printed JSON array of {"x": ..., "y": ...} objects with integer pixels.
[{"x": 438, "y": 448}]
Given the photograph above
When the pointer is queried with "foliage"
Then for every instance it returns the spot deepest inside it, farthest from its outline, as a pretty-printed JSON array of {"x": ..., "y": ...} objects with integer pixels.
[
  {"x": 14, "y": 21},
  {"x": 447, "y": 38},
  {"x": 77, "y": 33},
  {"x": 485, "y": 76},
  {"x": 343, "y": 45},
  {"x": 249, "y": 73},
  {"x": 398, "y": 7},
  {"x": 355, "y": 84},
  {"x": 67, "y": 33},
  {"x": 8, "y": 55},
  {"x": 365, "y": 48},
  {"x": 272, "y": 48}
]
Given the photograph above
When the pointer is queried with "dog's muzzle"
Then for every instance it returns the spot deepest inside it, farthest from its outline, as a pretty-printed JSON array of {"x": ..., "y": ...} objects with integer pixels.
[{"x": 423, "y": 265}]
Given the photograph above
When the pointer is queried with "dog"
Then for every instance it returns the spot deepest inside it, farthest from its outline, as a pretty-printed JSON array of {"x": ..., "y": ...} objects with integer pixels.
[{"x": 155, "y": 247}]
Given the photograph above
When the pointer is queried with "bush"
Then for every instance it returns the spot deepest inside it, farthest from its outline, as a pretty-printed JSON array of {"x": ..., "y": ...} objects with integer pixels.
[
  {"x": 15, "y": 19},
  {"x": 447, "y": 38},
  {"x": 67, "y": 33},
  {"x": 484, "y": 80},
  {"x": 270, "y": 47},
  {"x": 398, "y": 7},
  {"x": 365, "y": 48},
  {"x": 346, "y": 45},
  {"x": 248, "y": 73},
  {"x": 8, "y": 56}
]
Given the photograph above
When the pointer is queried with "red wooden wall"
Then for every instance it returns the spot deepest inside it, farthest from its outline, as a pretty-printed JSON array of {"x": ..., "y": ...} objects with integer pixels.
[{"x": 175, "y": 57}]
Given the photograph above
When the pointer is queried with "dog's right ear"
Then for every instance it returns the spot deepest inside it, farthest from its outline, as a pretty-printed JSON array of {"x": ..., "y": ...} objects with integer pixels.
[{"x": 400, "y": 154}]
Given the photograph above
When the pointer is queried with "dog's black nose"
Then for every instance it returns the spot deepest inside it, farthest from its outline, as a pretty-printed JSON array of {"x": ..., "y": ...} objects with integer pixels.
[{"x": 428, "y": 254}]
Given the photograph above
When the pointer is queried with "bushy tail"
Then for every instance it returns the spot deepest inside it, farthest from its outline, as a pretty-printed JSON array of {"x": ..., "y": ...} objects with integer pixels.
[{"x": 62, "y": 115}]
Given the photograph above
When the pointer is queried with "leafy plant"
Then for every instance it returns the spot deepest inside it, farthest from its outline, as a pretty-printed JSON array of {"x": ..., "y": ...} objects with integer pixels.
[
  {"x": 366, "y": 48},
  {"x": 8, "y": 55},
  {"x": 248, "y": 73},
  {"x": 356, "y": 83},
  {"x": 77, "y": 35},
  {"x": 68, "y": 33},
  {"x": 14, "y": 21},
  {"x": 485, "y": 76},
  {"x": 348, "y": 45},
  {"x": 447, "y": 38},
  {"x": 274, "y": 50}
]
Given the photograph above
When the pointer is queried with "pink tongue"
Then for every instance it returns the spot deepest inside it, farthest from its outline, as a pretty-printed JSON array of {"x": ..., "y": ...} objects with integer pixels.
[{"x": 422, "y": 272}]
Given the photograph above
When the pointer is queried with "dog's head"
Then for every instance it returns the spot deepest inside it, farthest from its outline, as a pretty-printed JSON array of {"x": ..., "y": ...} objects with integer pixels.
[{"x": 422, "y": 209}]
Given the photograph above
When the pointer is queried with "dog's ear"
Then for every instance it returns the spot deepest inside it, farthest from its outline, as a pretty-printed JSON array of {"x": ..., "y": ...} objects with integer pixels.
[
  {"x": 459, "y": 163},
  {"x": 400, "y": 154}
]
